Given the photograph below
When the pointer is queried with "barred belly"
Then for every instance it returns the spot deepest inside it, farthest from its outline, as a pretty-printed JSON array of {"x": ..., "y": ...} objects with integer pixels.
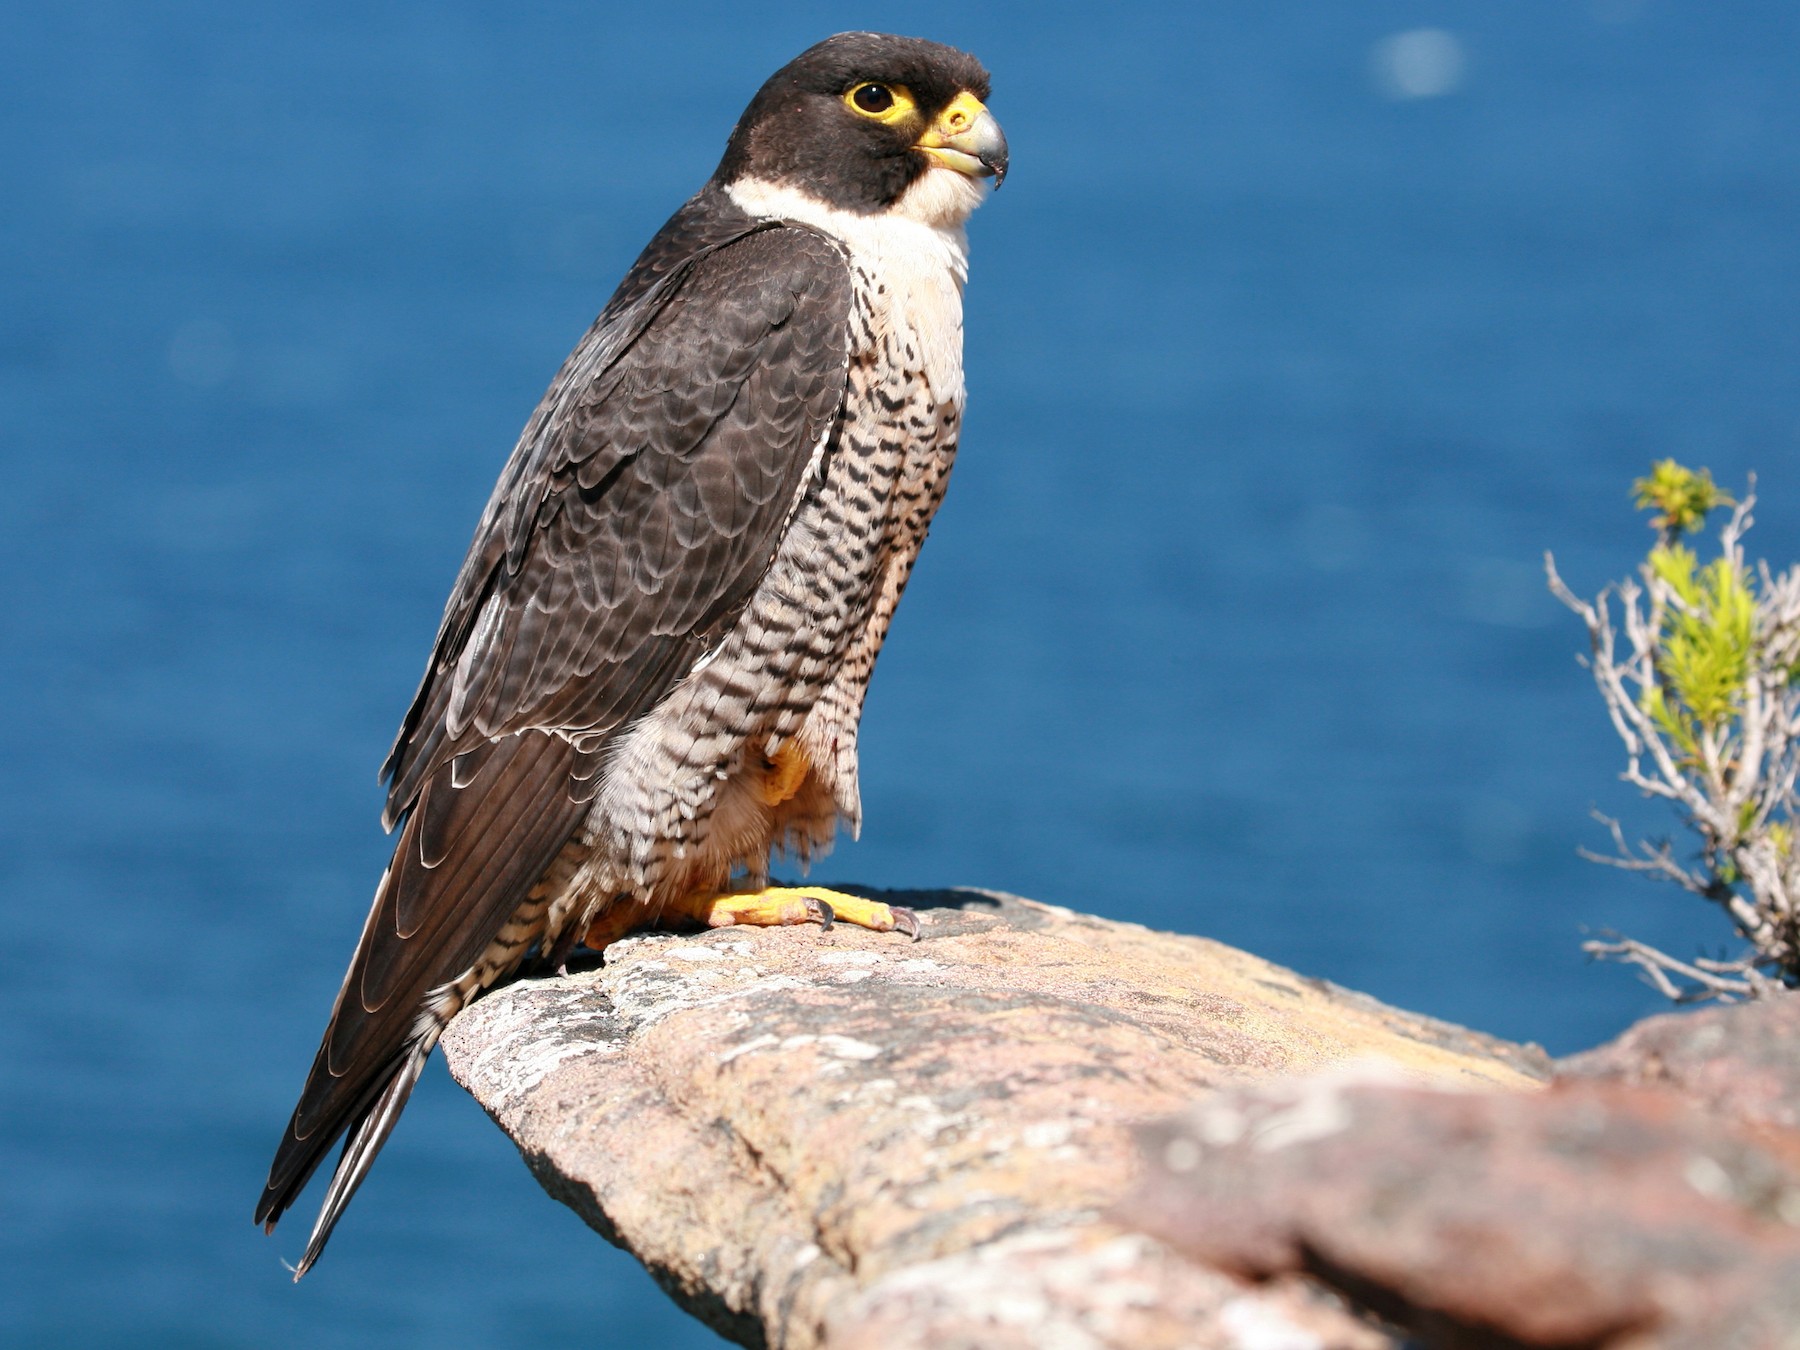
[{"x": 679, "y": 809}]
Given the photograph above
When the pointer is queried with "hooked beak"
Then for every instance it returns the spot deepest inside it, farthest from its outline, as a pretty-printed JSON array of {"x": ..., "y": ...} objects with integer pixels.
[{"x": 966, "y": 138}]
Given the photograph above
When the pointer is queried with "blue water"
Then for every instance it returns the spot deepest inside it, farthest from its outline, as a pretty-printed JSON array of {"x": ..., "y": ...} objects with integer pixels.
[{"x": 1233, "y": 624}]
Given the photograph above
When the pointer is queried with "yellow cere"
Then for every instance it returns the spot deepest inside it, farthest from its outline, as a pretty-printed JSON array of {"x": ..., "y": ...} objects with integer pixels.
[{"x": 960, "y": 115}]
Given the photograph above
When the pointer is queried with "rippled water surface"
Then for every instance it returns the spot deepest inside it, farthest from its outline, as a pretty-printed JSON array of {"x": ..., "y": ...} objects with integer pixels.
[{"x": 1298, "y": 333}]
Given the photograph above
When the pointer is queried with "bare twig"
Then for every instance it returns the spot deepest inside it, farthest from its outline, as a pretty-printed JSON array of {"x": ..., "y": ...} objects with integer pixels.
[
  {"x": 1727, "y": 981},
  {"x": 1728, "y": 756}
]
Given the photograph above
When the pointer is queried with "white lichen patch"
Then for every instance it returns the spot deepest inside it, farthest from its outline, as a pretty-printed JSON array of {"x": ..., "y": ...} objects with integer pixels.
[
  {"x": 648, "y": 990},
  {"x": 1056, "y": 1289},
  {"x": 847, "y": 1047},
  {"x": 1298, "y": 1111},
  {"x": 1181, "y": 1154},
  {"x": 750, "y": 1047},
  {"x": 527, "y": 1032},
  {"x": 849, "y": 958},
  {"x": 1253, "y": 1325},
  {"x": 1318, "y": 1115},
  {"x": 866, "y": 1093},
  {"x": 1047, "y": 1134},
  {"x": 632, "y": 942},
  {"x": 927, "y": 1120},
  {"x": 1022, "y": 1283},
  {"x": 1315, "y": 1106},
  {"x": 1709, "y": 1178}
]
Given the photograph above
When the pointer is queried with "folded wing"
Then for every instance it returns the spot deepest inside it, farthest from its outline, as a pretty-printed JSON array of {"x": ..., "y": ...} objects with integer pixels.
[{"x": 642, "y": 506}]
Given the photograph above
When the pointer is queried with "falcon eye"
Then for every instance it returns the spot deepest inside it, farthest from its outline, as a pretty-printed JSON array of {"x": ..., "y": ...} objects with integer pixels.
[
  {"x": 889, "y": 104},
  {"x": 873, "y": 99}
]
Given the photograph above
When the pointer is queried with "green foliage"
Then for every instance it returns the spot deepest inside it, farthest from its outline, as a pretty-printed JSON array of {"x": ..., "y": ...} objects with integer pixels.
[
  {"x": 1707, "y": 700},
  {"x": 1703, "y": 647},
  {"x": 1680, "y": 497}
]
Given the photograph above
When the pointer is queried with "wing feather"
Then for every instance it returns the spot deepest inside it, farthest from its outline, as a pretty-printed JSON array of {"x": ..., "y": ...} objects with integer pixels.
[{"x": 644, "y": 502}]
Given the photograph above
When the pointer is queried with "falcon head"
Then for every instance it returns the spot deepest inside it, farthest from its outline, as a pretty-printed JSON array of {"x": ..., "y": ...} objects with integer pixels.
[{"x": 862, "y": 119}]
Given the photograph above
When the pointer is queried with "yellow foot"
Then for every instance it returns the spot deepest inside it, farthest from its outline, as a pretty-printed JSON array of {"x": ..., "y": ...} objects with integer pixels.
[
  {"x": 795, "y": 904},
  {"x": 768, "y": 908},
  {"x": 614, "y": 923},
  {"x": 786, "y": 770}
]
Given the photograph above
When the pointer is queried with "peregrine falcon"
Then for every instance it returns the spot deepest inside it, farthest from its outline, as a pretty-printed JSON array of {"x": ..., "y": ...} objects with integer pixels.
[{"x": 651, "y": 668}]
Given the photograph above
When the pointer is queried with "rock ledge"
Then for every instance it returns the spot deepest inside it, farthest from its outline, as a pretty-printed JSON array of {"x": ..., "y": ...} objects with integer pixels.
[{"x": 846, "y": 1140}]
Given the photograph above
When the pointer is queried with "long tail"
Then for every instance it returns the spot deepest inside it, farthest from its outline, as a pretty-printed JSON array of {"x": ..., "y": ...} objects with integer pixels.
[
  {"x": 362, "y": 1143},
  {"x": 453, "y": 913}
]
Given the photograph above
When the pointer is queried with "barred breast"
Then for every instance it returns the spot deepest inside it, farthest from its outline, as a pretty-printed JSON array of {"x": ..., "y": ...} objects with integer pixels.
[{"x": 681, "y": 806}]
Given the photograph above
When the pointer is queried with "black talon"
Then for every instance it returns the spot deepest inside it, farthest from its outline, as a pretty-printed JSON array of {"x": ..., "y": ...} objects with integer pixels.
[
  {"x": 824, "y": 913},
  {"x": 558, "y": 955},
  {"x": 905, "y": 921}
]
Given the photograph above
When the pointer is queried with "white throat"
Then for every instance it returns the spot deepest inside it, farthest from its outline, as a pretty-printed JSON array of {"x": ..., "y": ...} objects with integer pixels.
[{"x": 917, "y": 250}]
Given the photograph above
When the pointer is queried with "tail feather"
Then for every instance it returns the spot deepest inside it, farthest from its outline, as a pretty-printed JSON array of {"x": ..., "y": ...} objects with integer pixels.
[
  {"x": 362, "y": 1143},
  {"x": 468, "y": 855}
]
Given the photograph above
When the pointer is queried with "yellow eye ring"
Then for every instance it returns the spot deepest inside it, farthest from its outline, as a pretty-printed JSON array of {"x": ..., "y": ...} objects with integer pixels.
[{"x": 881, "y": 102}]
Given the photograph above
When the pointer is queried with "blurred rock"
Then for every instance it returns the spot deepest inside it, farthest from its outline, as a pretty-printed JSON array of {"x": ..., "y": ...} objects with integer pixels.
[
  {"x": 845, "y": 1140},
  {"x": 1591, "y": 1215},
  {"x": 1740, "y": 1062}
]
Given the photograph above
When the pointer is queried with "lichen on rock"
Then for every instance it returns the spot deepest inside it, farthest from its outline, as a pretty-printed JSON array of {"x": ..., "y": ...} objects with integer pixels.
[{"x": 844, "y": 1139}]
